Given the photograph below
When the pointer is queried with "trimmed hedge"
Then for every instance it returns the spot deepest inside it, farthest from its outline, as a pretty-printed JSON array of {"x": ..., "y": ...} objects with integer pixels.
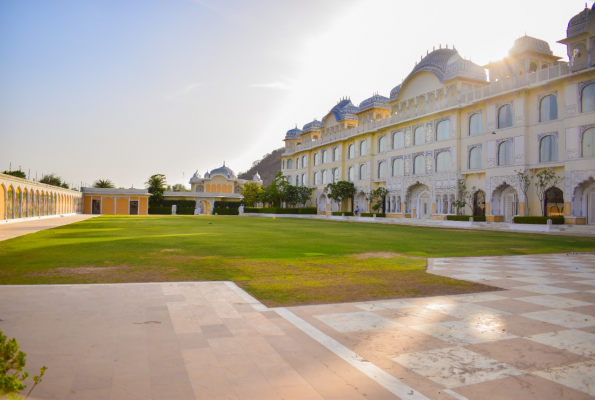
[
  {"x": 539, "y": 220},
  {"x": 185, "y": 211},
  {"x": 160, "y": 210},
  {"x": 340, "y": 213},
  {"x": 179, "y": 203},
  {"x": 227, "y": 204},
  {"x": 225, "y": 211},
  {"x": 476, "y": 218},
  {"x": 378, "y": 215},
  {"x": 307, "y": 210}
]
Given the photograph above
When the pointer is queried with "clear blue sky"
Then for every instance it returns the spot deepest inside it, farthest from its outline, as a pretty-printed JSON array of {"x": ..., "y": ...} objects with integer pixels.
[{"x": 123, "y": 89}]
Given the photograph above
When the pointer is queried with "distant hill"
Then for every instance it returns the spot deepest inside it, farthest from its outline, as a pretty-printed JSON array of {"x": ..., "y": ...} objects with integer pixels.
[{"x": 267, "y": 167}]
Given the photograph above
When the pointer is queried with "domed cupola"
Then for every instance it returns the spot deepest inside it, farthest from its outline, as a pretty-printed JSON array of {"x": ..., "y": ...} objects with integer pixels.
[
  {"x": 395, "y": 92},
  {"x": 528, "y": 43},
  {"x": 312, "y": 126},
  {"x": 225, "y": 171},
  {"x": 293, "y": 133},
  {"x": 577, "y": 23},
  {"x": 256, "y": 177},
  {"x": 344, "y": 109},
  {"x": 376, "y": 101}
]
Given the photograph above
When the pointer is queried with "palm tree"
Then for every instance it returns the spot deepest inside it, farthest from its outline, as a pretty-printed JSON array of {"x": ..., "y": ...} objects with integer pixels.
[
  {"x": 156, "y": 185},
  {"x": 103, "y": 183}
]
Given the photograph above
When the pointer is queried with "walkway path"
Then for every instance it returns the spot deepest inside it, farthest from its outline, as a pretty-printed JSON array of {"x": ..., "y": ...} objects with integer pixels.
[
  {"x": 9, "y": 231},
  {"x": 211, "y": 340}
]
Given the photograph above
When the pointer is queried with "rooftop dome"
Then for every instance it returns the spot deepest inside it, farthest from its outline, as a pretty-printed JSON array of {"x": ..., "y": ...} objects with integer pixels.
[
  {"x": 376, "y": 101},
  {"x": 293, "y": 133},
  {"x": 528, "y": 43},
  {"x": 256, "y": 177},
  {"x": 312, "y": 126},
  {"x": 395, "y": 92},
  {"x": 344, "y": 110},
  {"x": 223, "y": 171},
  {"x": 577, "y": 23}
]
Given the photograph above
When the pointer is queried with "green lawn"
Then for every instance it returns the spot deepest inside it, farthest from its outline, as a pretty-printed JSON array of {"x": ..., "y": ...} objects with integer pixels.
[{"x": 280, "y": 261}]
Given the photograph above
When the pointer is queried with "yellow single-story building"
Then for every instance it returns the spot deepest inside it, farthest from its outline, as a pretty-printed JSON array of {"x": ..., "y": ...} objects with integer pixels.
[{"x": 115, "y": 201}]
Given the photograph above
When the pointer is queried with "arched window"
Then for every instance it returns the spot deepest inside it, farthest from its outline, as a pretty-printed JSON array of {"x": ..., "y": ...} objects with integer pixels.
[
  {"x": 362, "y": 172},
  {"x": 398, "y": 140},
  {"x": 289, "y": 180},
  {"x": 588, "y": 98},
  {"x": 475, "y": 158},
  {"x": 381, "y": 170},
  {"x": 303, "y": 161},
  {"x": 505, "y": 116},
  {"x": 289, "y": 164},
  {"x": 548, "y": 108},
  {"x": 382, "y": 144},
  {"x": 398, "y": 169},
  {"x": 362, "y": 148},
  {"x": 315, "y": 159},
  {"x": 323, "y": 172},
  {"x": 443, "y": 130},
  {"x": 335, "y": 175},
  {"x": 419, "y": 165},
  {"x": 475, "y": 127},
  {"x": 324, "y": 160},
  {"x": 548, "y": 149},
  {"x": 589, "y": 143},
  {"x": 304, "y": 183},
  {"x": 351, "y": 152},
  {"x": 419, "y": 136},
  {"x": 351, "y": 174},
  {"x": 443, "y": 161},
  {"x": 505, "y": 156},
  {"x": 315, "y": 179},
  {"x": 532, "y": 67},
  {"x": 336, "y": 154}
]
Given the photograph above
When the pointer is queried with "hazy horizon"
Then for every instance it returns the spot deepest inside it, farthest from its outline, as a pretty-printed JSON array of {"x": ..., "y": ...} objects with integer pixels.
[{"x": 123, "y": 90}]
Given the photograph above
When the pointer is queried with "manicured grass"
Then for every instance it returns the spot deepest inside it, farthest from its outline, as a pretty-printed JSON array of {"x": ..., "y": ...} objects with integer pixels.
[{"x": 280, "y": 260}]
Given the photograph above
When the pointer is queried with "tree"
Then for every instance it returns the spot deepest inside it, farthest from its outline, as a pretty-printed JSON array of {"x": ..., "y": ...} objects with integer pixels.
[
  {"x": 546, "y": 180},
  {"x": 252, "y": 193},
  {"x": 18, "y": 174},
  {"x": 524, "y": 184},
  {"x": 274, "y": 193},
  {"x": 304, "y": 194},
  {"x": 340, "y": 191},
  {"x": 179, "y": 187},
  {"x": 465, "y": 196},
  {"x": 156, "y": 186},
  {"x": 12, "y": 362},
  {"x": 103, "y": 183},
  {"x": 375, "y": 197},
  {"x": 291, "y": 195},
  {"x": 51, "y": 179}
]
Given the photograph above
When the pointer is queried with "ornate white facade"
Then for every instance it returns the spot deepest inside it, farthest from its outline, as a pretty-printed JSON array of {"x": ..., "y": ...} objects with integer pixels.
[{"x": 447, "y": 122}]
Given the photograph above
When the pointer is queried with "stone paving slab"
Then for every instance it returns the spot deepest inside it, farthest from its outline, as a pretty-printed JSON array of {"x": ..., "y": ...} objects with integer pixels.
[
  {"x": 19, "y": 228},
  {"x": 211, "y": 340}
]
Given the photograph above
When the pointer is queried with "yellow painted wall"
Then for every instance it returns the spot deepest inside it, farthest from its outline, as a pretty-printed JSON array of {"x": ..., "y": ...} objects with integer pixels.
[
  {"x": 122, "y": 206},
  {"x": 107, "y": 206},
  {"x": 143, "y": 206},
  {"x": 87, "y": 204},
  {"x": 2, "y": 201}
]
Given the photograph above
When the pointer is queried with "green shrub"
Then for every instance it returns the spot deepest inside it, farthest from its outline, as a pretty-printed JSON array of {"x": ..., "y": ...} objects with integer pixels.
[
  {"x": 178, "y": 203},
  {"x": 185, "y": 211},
  {"x": 227, "y": 204},
  {"x": 538, "y": 220},
  {"x": 225, "y": 211},
  {"x": 307, "y": 210},
  {"x": 253, "y": 210},
  {"x": 378, "y": 215},
  {"x": 160, "y": 210},
  {"x": 340, "y": 213},
  {"x": 476, "y": 218}
]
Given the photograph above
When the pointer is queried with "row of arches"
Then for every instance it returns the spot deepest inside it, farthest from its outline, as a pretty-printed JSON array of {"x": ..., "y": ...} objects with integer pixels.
[
  {"x": 219, "y": 188},
  {"x": 23, "y": 202}
]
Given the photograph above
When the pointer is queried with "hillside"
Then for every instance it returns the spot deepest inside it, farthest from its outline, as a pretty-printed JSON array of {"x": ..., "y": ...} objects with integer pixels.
[{"x": 267, "y": 167}]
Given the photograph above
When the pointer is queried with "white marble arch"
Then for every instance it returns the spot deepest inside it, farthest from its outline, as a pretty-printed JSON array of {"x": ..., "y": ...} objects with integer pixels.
[
  {"x": 419, "y": 198},
  {"x": 583, "y": 202},
  {"x": 504, "y": 202},
  {"x": 322, "y": 202}
]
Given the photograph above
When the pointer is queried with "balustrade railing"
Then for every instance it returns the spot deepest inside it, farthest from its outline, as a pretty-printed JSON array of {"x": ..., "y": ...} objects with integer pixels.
[{"x": 493, "y": 88}]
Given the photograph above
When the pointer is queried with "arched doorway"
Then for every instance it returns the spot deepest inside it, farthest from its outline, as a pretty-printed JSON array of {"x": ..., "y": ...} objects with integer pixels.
[
  {"x": 505, "y": 202},
  {"x": 425, "y": 205},
  {"x": 322, "y": 203},
  {"x": 479, "y": 203},
  {"x": 418, "y": 201},
  {"x": 583, "y": 204},
  {"x": 553, "y": 203},
  {"x": 360, "y": 201},
  {"x": 204, "y": 207}
]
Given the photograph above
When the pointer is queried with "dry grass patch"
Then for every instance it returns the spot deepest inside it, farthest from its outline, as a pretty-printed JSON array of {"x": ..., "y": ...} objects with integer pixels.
[{"x": 111, "y": 274}]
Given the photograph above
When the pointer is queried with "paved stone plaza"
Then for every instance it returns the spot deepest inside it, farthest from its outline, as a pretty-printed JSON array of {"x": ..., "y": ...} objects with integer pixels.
[{"x": 211, "y": 340}]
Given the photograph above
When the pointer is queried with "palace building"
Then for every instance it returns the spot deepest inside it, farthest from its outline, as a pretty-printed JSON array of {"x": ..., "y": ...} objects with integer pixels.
[
  {"x": 448, "y": 122},
  {"x": 221, "y": 184}
]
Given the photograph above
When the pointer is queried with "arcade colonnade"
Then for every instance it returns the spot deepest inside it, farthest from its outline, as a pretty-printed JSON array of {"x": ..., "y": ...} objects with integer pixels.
[{"x": 21, "y": 198}]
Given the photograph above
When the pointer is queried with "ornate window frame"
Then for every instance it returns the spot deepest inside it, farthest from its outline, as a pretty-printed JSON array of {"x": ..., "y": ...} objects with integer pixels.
[
  {"x": 581, "y": 135},
  {"x": 498, "y": 108},
  {"x": 581, "y": 86},
  {"x": 392, "y": 134},
  {"x": 469, "y": 115},
  {"x": 413, "y": 129},
  {"x": 392, "y": 165},
  {"x": 498, "y": 143},
  {"x": 413, "y": 157},
  {"x": 385, "y": 140},
  {"x": 542, "y": 96},
  {"x": 438, "y": 151},
  {"x": 333, "y": 152},
  {"x": 469, "y": 148},
  {"x": 436, "y": 122},
  {"x": 540, "y": 137}
]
